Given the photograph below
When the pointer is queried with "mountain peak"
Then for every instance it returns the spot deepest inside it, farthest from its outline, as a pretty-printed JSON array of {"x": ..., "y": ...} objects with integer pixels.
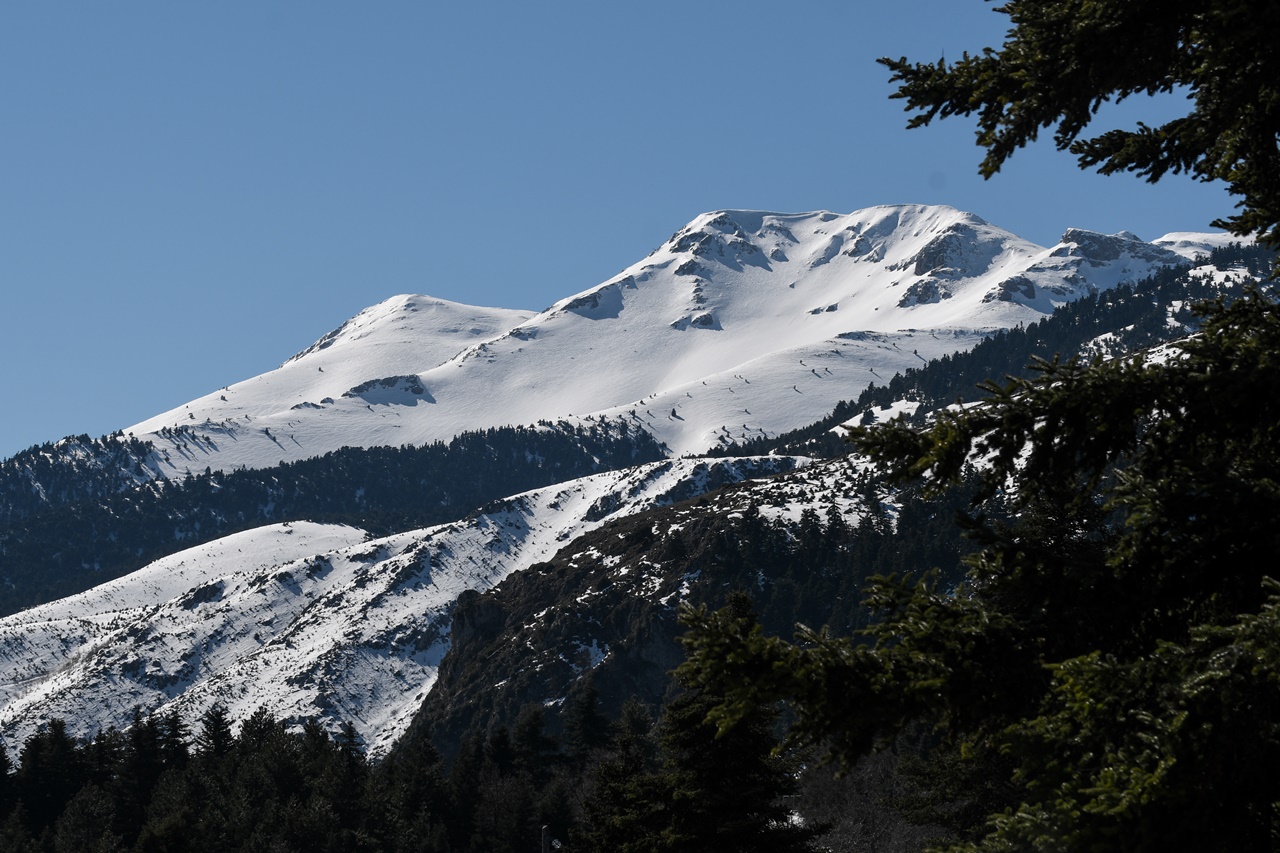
[
  {"x": 444, "y": 316},
  {"x": 691, "y": 343}
]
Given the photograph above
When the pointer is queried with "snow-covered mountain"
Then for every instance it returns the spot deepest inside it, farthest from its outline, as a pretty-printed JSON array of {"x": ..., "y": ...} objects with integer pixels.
[{"x": 743, "y": 324}]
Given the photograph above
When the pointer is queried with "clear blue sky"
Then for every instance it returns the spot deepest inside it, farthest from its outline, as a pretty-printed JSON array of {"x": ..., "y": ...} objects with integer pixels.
[{"x": 192, "y": 192}]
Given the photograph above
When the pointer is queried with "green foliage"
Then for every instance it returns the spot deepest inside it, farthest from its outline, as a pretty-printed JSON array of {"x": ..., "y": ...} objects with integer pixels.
[
  {"x": 585, "y": 728},
  {"x": 74, "y": 469},
  {"x": 1172, "y": 750},
  {"x": 1113, "y": 644},
  {"x": 215, "y": 738},
  {"x": 710, "y": 790},
  {"x": 1062, "y": 61}
]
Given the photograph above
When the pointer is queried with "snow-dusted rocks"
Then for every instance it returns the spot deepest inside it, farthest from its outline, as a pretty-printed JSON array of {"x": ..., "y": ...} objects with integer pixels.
[{"x": 306, "y": 620}]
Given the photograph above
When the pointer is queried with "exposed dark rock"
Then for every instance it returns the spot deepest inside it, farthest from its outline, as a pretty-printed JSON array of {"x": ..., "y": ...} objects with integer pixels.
[
  {"x": 1009, "y": 289},
  {"x": 411, "y": 383},
  {"x": 923, "y": 292}
]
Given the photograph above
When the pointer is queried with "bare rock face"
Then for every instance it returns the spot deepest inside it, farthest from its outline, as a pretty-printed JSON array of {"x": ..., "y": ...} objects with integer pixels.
[
  {"x": 1102, "y": 248},
  {"x": 924, "y": 292},
  {"x": 389, "y": 389},
  {"x": 1010, "y": 289}
]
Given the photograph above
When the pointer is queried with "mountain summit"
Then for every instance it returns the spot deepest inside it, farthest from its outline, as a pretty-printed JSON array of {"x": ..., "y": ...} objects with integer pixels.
[{"x": 697, "y": 342}]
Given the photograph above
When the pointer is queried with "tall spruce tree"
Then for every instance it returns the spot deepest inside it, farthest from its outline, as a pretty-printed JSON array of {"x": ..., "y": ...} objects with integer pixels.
[
  {"x": 714, "y": 791},
  {"x": 1111, "y": 663},
  {"x": 1063, "y": 59},
  {"x": 1117, "y": 639}
]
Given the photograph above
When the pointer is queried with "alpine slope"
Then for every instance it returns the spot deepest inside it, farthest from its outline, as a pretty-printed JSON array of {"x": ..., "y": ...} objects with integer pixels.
[{"x": 743, "y": 324}]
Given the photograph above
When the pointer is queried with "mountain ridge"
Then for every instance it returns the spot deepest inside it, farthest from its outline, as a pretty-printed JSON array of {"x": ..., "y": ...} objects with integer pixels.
[{"x": 807, "y": 303}]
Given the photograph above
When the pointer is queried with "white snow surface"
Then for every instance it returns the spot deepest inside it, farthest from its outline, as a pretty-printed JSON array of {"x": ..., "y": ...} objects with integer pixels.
[
  {"x": 306, "y": 620},
  {"x": 1192, "y": 245},
  {"x": 744, "y": 323}
]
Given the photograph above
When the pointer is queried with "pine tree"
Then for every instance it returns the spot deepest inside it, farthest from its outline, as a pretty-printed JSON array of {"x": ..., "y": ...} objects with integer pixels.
[
  {"x": 417, "y": 795},
  {"x": 85, "y": 826},
  {"x": 727, "y": 789},
  {"x": 50, "y": 772},
  {"x": 714, "y": 790},
  {"x": 6, "y": 783},
  {"x": 215, "y": 738},
  {"x": 1115, "y": 638},
  {"x": 627, "y": 801},
  {"x": 1063, "y": 60},
  {"x": 15, "y": 834},
  {"x": 1114, "y": 641},
  {"x": 586, "y": 728},
  {"x": 534, "y": 751}
]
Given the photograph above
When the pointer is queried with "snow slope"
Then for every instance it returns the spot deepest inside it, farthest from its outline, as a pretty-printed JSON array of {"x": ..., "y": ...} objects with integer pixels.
[
  {"x": 305, "y": 619},
  {"x": 743, "y": 323}
]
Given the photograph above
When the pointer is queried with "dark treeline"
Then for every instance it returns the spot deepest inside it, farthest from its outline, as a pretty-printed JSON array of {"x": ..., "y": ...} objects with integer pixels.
[
  {"x": 1135, "y": 315},
  {"x": 607, "y": 785},
  {"x": 382, "y": 489}
]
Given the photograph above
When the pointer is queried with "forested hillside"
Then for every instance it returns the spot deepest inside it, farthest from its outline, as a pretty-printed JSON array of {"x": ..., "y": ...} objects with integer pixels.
[
  {"x": 603, "y": 613},
  {"x": 74, "y": 469},
  {"x": 381, "y": 490}
]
